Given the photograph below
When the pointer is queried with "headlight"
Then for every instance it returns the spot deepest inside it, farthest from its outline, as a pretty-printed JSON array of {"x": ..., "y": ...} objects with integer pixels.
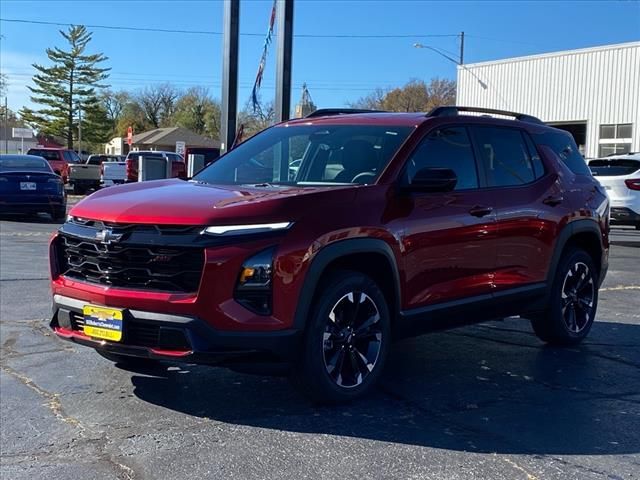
[
  {"x": 253, "y": 288},
  {"x": 246, "y": 229}
]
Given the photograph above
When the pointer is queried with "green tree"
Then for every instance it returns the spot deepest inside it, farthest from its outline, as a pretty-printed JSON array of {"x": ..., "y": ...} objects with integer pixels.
[
  {"x": 198, "y": 112},
  {"x": 69, "y": 84}
]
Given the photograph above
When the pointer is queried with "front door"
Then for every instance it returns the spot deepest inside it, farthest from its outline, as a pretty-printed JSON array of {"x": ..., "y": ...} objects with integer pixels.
[{"x": 448, "y": 239}]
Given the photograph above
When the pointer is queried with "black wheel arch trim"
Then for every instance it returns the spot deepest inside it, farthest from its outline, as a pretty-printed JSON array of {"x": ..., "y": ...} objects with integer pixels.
[
  {"x": 567, "y": 232},
  {"x": 335, "y": 251}
]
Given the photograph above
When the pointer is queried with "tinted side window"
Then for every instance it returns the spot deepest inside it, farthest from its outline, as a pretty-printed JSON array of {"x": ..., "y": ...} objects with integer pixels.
[
  {"x": 538, "y": 167},
  {"x": 565, "y": 147},
  {"x": 71, "y": 157},
  {"x": 448, "y": 147},
  {"x": 505, "y": 156}
]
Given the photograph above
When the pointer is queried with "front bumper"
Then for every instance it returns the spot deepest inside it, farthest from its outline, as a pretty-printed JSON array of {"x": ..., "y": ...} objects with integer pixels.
[{"x": 176, "y": 337}]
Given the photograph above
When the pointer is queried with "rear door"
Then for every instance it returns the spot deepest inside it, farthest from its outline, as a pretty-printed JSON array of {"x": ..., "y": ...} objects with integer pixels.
[
  {"x": 448, "y": 238},
  {"x": 529, "y": 204}
]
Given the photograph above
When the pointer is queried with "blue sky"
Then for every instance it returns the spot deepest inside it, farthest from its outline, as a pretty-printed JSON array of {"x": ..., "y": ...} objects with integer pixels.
[{"x": 337, "y": 70}]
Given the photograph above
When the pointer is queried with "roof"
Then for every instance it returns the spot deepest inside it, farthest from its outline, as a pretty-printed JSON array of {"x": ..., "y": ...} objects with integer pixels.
[
  {"x": 560, "y": 53},
  {"x": 171, "y": 135}
]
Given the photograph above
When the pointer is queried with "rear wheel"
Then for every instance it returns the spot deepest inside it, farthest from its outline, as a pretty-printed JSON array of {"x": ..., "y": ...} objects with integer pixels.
[
  {"x": 346, "y": 340},
  {"x": 573, "y": 301},
  {"x": 59, "y": 213}
]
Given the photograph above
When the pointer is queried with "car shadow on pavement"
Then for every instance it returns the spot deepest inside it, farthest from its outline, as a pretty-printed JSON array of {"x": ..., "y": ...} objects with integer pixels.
[{"x": 487, "y": 388}]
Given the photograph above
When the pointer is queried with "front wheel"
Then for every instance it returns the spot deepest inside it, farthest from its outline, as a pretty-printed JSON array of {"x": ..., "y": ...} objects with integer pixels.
[
  {"x": 346, "y": 341},
  {"x": 572, "y": 303}
]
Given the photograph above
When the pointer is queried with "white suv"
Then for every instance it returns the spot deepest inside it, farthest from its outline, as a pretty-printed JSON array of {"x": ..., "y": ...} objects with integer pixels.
[{"x": 620, "y": 176}]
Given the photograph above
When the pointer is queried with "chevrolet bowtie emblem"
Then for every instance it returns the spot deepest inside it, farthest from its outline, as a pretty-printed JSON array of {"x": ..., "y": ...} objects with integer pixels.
[{"x": 107, "y": 236}]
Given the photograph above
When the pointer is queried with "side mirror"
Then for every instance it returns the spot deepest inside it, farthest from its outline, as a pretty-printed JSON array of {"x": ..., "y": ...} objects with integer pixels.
[{"x": 432, "y": 179}]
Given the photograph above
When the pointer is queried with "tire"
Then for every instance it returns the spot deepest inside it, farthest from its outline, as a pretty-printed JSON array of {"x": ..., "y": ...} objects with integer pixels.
[
  {"x": 59, "y": 213},
  {"x": 345, "y": 343},
  {"x": 637, "y": 226},
  {"x": 573, "y": 301},
  {"x": 127, "y": 361}
]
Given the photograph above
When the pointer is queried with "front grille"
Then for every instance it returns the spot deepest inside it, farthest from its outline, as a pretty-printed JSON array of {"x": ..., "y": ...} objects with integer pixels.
[{"x": 147, "y": 267}]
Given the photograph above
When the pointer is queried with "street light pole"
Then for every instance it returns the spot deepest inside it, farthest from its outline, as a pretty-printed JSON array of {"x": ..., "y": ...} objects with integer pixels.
[
  {"x": 461, "y": 48},
  {"x": 451, "y": 59}
]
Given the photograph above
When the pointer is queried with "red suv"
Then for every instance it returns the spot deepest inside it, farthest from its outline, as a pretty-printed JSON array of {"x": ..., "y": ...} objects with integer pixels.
[{"x": 391, "y": 225}]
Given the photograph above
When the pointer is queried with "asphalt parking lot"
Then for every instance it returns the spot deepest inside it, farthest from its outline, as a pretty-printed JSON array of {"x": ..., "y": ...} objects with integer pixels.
[{"x": 483, "y": 402}]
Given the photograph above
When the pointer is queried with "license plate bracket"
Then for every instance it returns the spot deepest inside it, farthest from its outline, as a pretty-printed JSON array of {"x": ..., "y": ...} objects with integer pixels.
[{"x": 103, "y": 323}]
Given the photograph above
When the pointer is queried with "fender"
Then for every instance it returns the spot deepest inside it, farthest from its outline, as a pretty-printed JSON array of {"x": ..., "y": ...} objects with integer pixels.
[
  {"x": 333, "y": 252},
  {"x": 568, "y": 231}
]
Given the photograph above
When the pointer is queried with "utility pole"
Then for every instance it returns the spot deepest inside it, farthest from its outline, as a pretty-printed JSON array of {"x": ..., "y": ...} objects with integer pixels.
[
  {"x": 284, "y": 21},
  {"x": 80, "y": 130},
  {"x": 230, "y": 42},
  {"x": 461, "y": 48}
]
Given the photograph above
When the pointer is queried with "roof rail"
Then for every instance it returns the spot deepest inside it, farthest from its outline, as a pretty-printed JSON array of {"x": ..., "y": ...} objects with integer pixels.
[
  {"x": 322, "y": 112},
  {"x": 453, "y": 110}
]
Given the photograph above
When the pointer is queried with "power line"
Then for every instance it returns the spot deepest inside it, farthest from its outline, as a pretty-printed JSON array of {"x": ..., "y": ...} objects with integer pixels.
[{"x": 211, "y": 32}]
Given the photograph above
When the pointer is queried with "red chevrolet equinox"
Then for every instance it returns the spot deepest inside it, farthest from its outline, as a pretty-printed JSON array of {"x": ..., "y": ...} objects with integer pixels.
[{"x": 314, "y": 244}]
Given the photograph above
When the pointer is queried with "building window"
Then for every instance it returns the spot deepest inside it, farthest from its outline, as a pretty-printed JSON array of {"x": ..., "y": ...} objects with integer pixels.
[
  {"x": 614, "y": 149},
  {"x": 615, "y": 139}
]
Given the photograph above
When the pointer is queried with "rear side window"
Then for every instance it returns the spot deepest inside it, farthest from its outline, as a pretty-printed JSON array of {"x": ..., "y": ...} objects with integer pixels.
[
  {"x": 505, "y": 156},
  {"x": 71, "y": 157},
  {"x": 448, "y": 147},
  {"x": 609, "y": 167},
  {"x": 565, "y": 147}
]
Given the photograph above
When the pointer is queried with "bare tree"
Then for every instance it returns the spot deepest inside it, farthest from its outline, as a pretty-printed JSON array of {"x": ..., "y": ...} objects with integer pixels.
[
  {"x": 415, "y": 96},
  {"x": 158, "y": 103}
]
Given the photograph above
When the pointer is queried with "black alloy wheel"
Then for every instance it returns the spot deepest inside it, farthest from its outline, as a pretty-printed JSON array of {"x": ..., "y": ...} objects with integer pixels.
[
  {"x": 352, "y": 339},
  {"x": 346, "y": 340}
]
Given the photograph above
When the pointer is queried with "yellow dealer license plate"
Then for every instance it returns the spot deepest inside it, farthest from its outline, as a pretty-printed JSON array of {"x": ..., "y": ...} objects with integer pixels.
[{"x": 103, "y": 323}]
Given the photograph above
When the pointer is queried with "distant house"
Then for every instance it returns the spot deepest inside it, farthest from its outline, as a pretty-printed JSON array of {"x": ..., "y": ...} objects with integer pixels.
[{"x": 160, "y": 139}]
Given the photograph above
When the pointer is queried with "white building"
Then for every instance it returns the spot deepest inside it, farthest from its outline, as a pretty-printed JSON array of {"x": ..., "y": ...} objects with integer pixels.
[{"x": 594, "y": 93}]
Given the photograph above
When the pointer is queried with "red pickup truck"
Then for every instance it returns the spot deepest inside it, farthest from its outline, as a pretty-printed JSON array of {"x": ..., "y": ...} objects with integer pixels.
[
  {"x": 59, "y": 158},
  {"x": 178, "y": 167}
]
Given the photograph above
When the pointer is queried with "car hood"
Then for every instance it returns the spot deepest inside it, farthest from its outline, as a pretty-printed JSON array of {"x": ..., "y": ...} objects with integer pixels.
[{"x": 177, "y": 202}]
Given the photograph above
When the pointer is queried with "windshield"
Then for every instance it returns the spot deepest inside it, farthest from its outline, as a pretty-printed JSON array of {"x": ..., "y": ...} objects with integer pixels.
[
  {"x": 614, "y": 166},
  {"x": 47, "y": 154},
  {"x": 23, "y": 162},
  {"x": 309, "y": 155}
]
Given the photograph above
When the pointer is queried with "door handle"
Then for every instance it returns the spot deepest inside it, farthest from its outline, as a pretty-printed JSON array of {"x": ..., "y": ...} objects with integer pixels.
[
  {"x": 480, "y": 211},
  {"x": 553, "y": 200}
]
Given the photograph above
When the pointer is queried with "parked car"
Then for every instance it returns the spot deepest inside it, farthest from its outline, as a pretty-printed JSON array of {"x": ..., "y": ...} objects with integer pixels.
[
  {"x": 620, "y": 176},
  {"x": 85, "y": 175},
  {"x": 29, "y": 185},
  {"x": 178, "y": 169},
  {"x": 114, "y": 170},
  {"x": 59, "y": 158},
  {"x": 395, "y": 224}
]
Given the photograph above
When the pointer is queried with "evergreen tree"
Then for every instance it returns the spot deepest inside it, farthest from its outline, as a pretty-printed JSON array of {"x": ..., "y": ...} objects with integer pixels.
[{"x": 66, "y": 86}]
